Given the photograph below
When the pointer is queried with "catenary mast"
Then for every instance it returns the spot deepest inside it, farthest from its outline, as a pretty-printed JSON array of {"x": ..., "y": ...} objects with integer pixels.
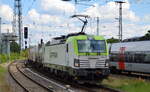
[
  {"x": 17, "y": 21},
  {"x": 120, "y": 19}
]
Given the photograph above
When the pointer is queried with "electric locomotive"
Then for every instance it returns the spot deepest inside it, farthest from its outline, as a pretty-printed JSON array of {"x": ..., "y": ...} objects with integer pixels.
[
  {"x": 82, "y": 57},
  {"x": 77, "y": 56}
]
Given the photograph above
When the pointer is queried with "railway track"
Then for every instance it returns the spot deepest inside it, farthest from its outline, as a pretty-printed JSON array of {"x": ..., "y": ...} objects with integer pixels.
[
  {"x": 27, "y": 84},
  {"x": 34, "y": 81},
  {"x": 75, "y": 86}
]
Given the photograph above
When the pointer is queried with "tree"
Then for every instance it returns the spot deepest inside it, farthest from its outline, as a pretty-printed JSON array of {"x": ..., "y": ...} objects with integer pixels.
[
  {"x": 14, "y": 47},
  {"x": 112, "y": 40},
  {"x": 146, "y": 36},
  {"x": 149, "y": 31}
]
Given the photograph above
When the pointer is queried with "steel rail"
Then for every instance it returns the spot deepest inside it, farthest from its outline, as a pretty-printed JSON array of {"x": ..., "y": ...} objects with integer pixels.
[
  {"x": 12, "y": 75},
  {"x": 47, "y": 88}
]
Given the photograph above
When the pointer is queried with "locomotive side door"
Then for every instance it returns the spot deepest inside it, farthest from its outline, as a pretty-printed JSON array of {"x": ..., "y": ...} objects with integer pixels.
[{"x": 70, "y": 54}]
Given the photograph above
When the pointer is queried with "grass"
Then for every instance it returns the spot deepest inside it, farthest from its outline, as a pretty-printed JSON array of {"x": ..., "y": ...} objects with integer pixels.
[
  {"x": 13, "y": 56},
  {"x": 4, "y": 87},
  {"x": 2, "y": 70},
  {"x": 128, "y": 84}
]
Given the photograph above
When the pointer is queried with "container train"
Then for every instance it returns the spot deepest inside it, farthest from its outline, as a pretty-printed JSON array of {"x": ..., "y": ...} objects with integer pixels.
[
  {"x": 79, "y": 56},
  {"x": 130, "y": 56}
]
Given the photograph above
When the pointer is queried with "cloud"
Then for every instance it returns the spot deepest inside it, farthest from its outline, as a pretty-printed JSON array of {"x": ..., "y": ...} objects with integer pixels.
[
  {"x": 57, "y": 6},
  {"x": 38, "y": 18},
  {"x": 106, "y": 29},
  {"x": 6, "y": 28},
  {"x": 62, "y": 25},
  {"x": 133, "y": 30},
  {"x": 6, "y": 12},
  {"x": 93, "y": 11},
  {"x": 110, "y": 11},
  {"x": 129, "y": 30},
  {"x": 146, "y": 18}
]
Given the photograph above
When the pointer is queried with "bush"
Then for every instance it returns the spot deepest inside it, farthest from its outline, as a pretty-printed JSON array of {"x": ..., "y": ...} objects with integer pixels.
[
  {"x": 3, "y": 58},
  {"x": 13, "y": 56}
]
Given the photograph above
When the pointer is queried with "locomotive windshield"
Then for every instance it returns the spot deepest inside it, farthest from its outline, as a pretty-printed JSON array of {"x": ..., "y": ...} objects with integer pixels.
[{"x": 91, "y": 46}]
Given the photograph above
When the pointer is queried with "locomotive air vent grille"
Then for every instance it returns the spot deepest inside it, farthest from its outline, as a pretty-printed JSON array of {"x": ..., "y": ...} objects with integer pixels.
[
  {"x": 100, "y": 64},
  {"x": 84, "y": 64}
]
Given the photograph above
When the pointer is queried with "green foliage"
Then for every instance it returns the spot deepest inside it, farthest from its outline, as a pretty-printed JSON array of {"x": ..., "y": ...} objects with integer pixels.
[
  {"x": 3, "y": 58},
  {"x": 146, "y": 36},
  {"x": 136, "y": 87},
  {"x": 13, "y": 56},
  {"x": 2, "y": 70},
  {"x": 112, "y": 40},
  {"x": 14, "y": 47}
]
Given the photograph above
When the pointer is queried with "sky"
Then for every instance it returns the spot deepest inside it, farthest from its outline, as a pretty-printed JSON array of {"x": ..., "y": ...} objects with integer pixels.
[{"x": 50, "y": 18}]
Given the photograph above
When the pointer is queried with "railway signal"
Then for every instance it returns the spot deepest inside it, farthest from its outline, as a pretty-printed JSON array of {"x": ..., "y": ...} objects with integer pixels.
[
  {"x": 26, "y": 32},
  {"x": 25, "y": 36}
]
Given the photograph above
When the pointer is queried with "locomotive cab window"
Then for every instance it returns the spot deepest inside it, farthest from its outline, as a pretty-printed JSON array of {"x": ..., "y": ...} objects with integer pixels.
[{"x": 91, "y": 46}]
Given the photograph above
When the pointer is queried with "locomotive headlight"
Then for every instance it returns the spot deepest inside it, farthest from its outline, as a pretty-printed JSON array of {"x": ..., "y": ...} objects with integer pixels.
[
  {"x": 76, "y": 63},
  {"x": 106, "y": 63}
]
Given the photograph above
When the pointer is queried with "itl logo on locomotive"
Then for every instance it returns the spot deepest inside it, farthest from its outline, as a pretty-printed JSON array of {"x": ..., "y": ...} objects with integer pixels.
[
  {"x": 53, "y": 55},
  {"x": 121, "y": 62}
]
